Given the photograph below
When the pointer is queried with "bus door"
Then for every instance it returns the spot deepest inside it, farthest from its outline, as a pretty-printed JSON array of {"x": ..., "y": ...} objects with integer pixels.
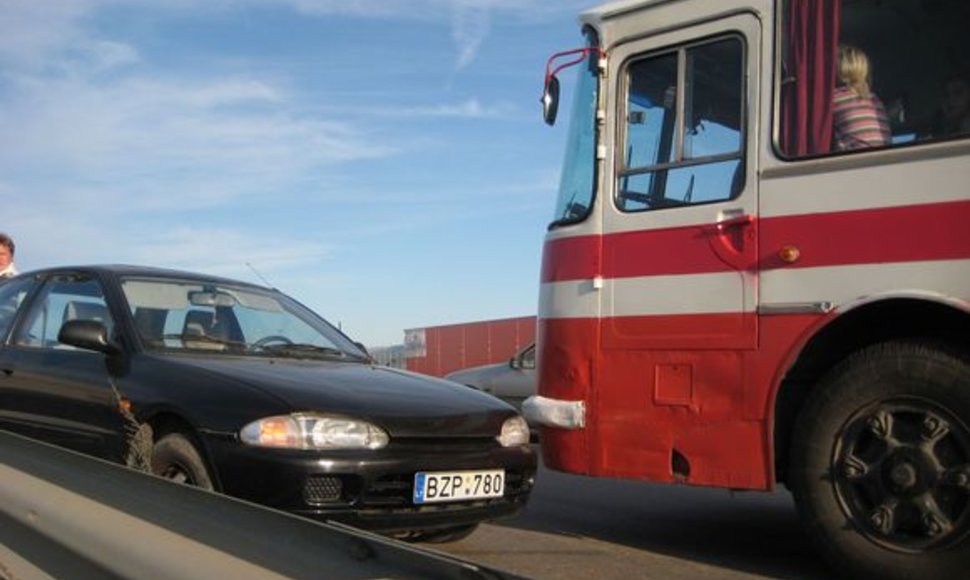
[{"x": 679, "y": 254}]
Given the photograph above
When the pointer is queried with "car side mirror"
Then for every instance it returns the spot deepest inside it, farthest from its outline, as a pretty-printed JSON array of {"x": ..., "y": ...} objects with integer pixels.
[
  {"x": 361, "y": 346},
  {"x": 514, "y": 362},
  {"x": 550, "y": 100},
  {"x": 87, "y": 334}
]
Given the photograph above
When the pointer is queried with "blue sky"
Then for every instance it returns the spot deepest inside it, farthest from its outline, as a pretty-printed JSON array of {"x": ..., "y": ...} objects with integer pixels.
[{"x": 383, "y": 161}]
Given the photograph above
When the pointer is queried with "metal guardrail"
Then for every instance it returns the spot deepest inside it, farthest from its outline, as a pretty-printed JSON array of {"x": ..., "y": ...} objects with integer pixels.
[{"x": 64, "y": 515}]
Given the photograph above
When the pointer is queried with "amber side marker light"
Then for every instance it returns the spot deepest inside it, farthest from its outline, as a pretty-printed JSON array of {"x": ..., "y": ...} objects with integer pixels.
[
  {"x": 789, "y": 254},
  {"x": 124, "y": 405}
]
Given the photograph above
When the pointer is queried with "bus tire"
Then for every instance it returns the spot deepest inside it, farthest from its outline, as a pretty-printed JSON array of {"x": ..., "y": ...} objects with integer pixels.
[{"x": 880, "y": 463}]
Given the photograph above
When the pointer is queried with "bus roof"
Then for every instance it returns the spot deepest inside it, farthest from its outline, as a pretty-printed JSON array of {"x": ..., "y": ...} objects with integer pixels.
[{"x": 603, "y": 12}]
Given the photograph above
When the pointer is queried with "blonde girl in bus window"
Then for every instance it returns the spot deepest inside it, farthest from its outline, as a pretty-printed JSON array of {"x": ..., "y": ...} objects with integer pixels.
[{"x": 859, "y": 117}]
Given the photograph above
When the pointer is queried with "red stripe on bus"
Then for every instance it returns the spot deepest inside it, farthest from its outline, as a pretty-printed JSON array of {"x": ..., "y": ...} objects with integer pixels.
[
  {"x": 670, "y": 251},
  {"x": 573, "y": 258},
  {"x": 896, "y": 234}
]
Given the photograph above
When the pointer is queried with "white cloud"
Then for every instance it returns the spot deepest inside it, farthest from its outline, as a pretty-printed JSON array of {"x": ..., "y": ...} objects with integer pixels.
[
  {"x": 226, "y": 252},
  {"x": 470, "y": 20},
  {"x": 469, "y": 28},
  {"x": 30, "y": 30},
  {"x": 90, "y": 230},
  {"x": 105, "y": 158},
  {"x": 433, "y": 9},
  {"x": 469, "y": 109},
  {"x": 62, "y": 116},
  {"x": 106, "y": 55},
  {"x": 234, "y": 131}
]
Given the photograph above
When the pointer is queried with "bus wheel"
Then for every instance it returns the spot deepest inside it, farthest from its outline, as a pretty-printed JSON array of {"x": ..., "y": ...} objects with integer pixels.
[{"x": 880, "y": 463}]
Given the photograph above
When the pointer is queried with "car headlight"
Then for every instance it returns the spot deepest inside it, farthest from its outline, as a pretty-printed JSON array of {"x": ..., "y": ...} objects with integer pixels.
[
  {"x": 515, "y": 432},
  {"x": 313, "y": 431}
]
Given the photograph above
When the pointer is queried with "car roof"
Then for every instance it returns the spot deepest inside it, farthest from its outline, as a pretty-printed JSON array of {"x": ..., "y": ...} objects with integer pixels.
[{"x": 128, "y": 270}]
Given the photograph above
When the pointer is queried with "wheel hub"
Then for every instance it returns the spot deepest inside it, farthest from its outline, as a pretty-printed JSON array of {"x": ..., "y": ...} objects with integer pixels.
[
  {"x": 901, "y": 469},
  {"x": 904, "y": 476},
  {"x": 909, "y": 472}
]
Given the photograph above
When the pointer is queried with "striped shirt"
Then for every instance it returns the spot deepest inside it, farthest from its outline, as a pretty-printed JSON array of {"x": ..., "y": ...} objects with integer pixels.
[{"x": 859, "y": 121}]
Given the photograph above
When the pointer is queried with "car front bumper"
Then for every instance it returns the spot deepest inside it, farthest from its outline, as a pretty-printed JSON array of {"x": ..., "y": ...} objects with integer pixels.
[{"x": 372, "y": 489}]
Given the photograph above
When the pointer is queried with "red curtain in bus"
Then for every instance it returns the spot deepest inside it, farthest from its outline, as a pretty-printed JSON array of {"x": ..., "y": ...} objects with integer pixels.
[{"x": 812, "y": 53}]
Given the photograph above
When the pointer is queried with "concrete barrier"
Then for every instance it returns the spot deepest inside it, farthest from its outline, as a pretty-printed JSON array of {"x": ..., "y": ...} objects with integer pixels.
[{"x": 65, "y": 515}]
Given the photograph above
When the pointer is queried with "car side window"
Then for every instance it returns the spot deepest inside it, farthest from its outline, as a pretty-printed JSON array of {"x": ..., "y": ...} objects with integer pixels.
[
  {"x": 12, "y": 294},
  {"x": 529, "y": 358},
  {"x": 63, "y": 298}
]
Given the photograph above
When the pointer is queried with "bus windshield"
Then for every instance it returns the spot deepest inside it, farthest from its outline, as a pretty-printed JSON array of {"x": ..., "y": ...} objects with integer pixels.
[{"x": 577, "y": 184}]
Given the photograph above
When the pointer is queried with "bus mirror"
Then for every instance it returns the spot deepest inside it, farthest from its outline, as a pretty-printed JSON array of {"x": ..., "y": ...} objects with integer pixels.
[{"x": 550, "y": 100}]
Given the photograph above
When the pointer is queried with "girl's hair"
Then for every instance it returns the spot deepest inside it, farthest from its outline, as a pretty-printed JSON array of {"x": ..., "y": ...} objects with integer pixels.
[
  {"x": 7, "y": 241},
  {"x": 854, "y": 69}
]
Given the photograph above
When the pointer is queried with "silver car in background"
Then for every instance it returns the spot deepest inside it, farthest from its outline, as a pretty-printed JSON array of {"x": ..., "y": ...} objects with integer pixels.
[{"x": 511, "y": 381}]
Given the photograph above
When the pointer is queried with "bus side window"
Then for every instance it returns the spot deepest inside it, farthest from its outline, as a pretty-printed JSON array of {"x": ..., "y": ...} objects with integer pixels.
[{"x": 913, "y": 50}]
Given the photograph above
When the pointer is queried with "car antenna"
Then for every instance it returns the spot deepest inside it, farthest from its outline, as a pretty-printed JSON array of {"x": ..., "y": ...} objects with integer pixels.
[{"x": 260, "y": 276}]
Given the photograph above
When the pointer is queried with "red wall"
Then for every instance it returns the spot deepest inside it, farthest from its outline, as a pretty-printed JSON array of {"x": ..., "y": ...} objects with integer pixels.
[{"x": 458, "y": 346}]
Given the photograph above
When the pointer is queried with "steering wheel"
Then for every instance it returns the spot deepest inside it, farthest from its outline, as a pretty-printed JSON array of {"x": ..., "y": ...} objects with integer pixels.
[{"x": 266, "y": 340}]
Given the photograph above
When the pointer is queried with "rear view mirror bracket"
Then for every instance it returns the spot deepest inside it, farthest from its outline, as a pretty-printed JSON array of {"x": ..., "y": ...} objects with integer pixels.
[{"x": 550, "y": 90}]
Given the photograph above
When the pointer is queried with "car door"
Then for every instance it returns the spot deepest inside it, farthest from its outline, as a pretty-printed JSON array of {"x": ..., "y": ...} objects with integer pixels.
[
  {"x": 55, "y": 392},
  {"x": 13, "y": 293}
]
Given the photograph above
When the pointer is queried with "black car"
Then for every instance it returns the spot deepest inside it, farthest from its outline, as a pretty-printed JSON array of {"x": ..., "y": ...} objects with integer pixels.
[{"x": 241, "y": 389}]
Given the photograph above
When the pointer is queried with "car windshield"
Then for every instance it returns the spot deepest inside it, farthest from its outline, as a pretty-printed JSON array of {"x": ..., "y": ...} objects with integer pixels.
[{"x": 174, "y": 315}]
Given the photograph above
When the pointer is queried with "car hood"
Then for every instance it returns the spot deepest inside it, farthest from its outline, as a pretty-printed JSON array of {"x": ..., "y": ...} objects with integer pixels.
[
  {"x": 478, "y": 375},
  {"x": 405, "y": 404}
]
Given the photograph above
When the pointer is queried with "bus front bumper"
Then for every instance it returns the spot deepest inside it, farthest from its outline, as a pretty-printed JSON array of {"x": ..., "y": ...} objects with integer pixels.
[{"x": 554, "y": 413}]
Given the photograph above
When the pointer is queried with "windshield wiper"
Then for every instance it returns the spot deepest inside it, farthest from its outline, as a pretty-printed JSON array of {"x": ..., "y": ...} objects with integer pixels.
[
  {"x": 186, "y": 338},
  {"x": 300, "y": 349}
]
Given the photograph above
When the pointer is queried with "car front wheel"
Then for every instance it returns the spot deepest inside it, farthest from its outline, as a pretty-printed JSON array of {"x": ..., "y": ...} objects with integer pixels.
[
  {"x": 448, "y": 535},
  {"x": 174, "y": 457}
]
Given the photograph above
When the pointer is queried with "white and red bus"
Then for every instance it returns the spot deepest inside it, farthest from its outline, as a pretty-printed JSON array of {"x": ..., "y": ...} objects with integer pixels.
[{"x": 734, "y": 295}]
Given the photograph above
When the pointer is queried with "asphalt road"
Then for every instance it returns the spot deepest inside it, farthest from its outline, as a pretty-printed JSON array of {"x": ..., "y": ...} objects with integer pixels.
[{"x": 589, "y": 528}]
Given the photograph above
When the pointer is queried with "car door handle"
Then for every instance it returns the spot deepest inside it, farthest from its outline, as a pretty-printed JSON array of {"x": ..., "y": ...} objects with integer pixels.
[{"x": 6, "y": 372}]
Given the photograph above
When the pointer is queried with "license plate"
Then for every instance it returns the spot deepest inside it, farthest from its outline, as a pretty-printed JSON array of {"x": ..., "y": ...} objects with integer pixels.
[{"x": 440, "y": 486}]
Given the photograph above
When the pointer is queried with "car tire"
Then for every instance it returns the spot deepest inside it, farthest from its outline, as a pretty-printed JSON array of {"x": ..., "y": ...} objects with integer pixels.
[
  {"x": 880, "y": 463},
  {"x": 446, "y": 535},
  {"x": 174, "y": 457}
]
